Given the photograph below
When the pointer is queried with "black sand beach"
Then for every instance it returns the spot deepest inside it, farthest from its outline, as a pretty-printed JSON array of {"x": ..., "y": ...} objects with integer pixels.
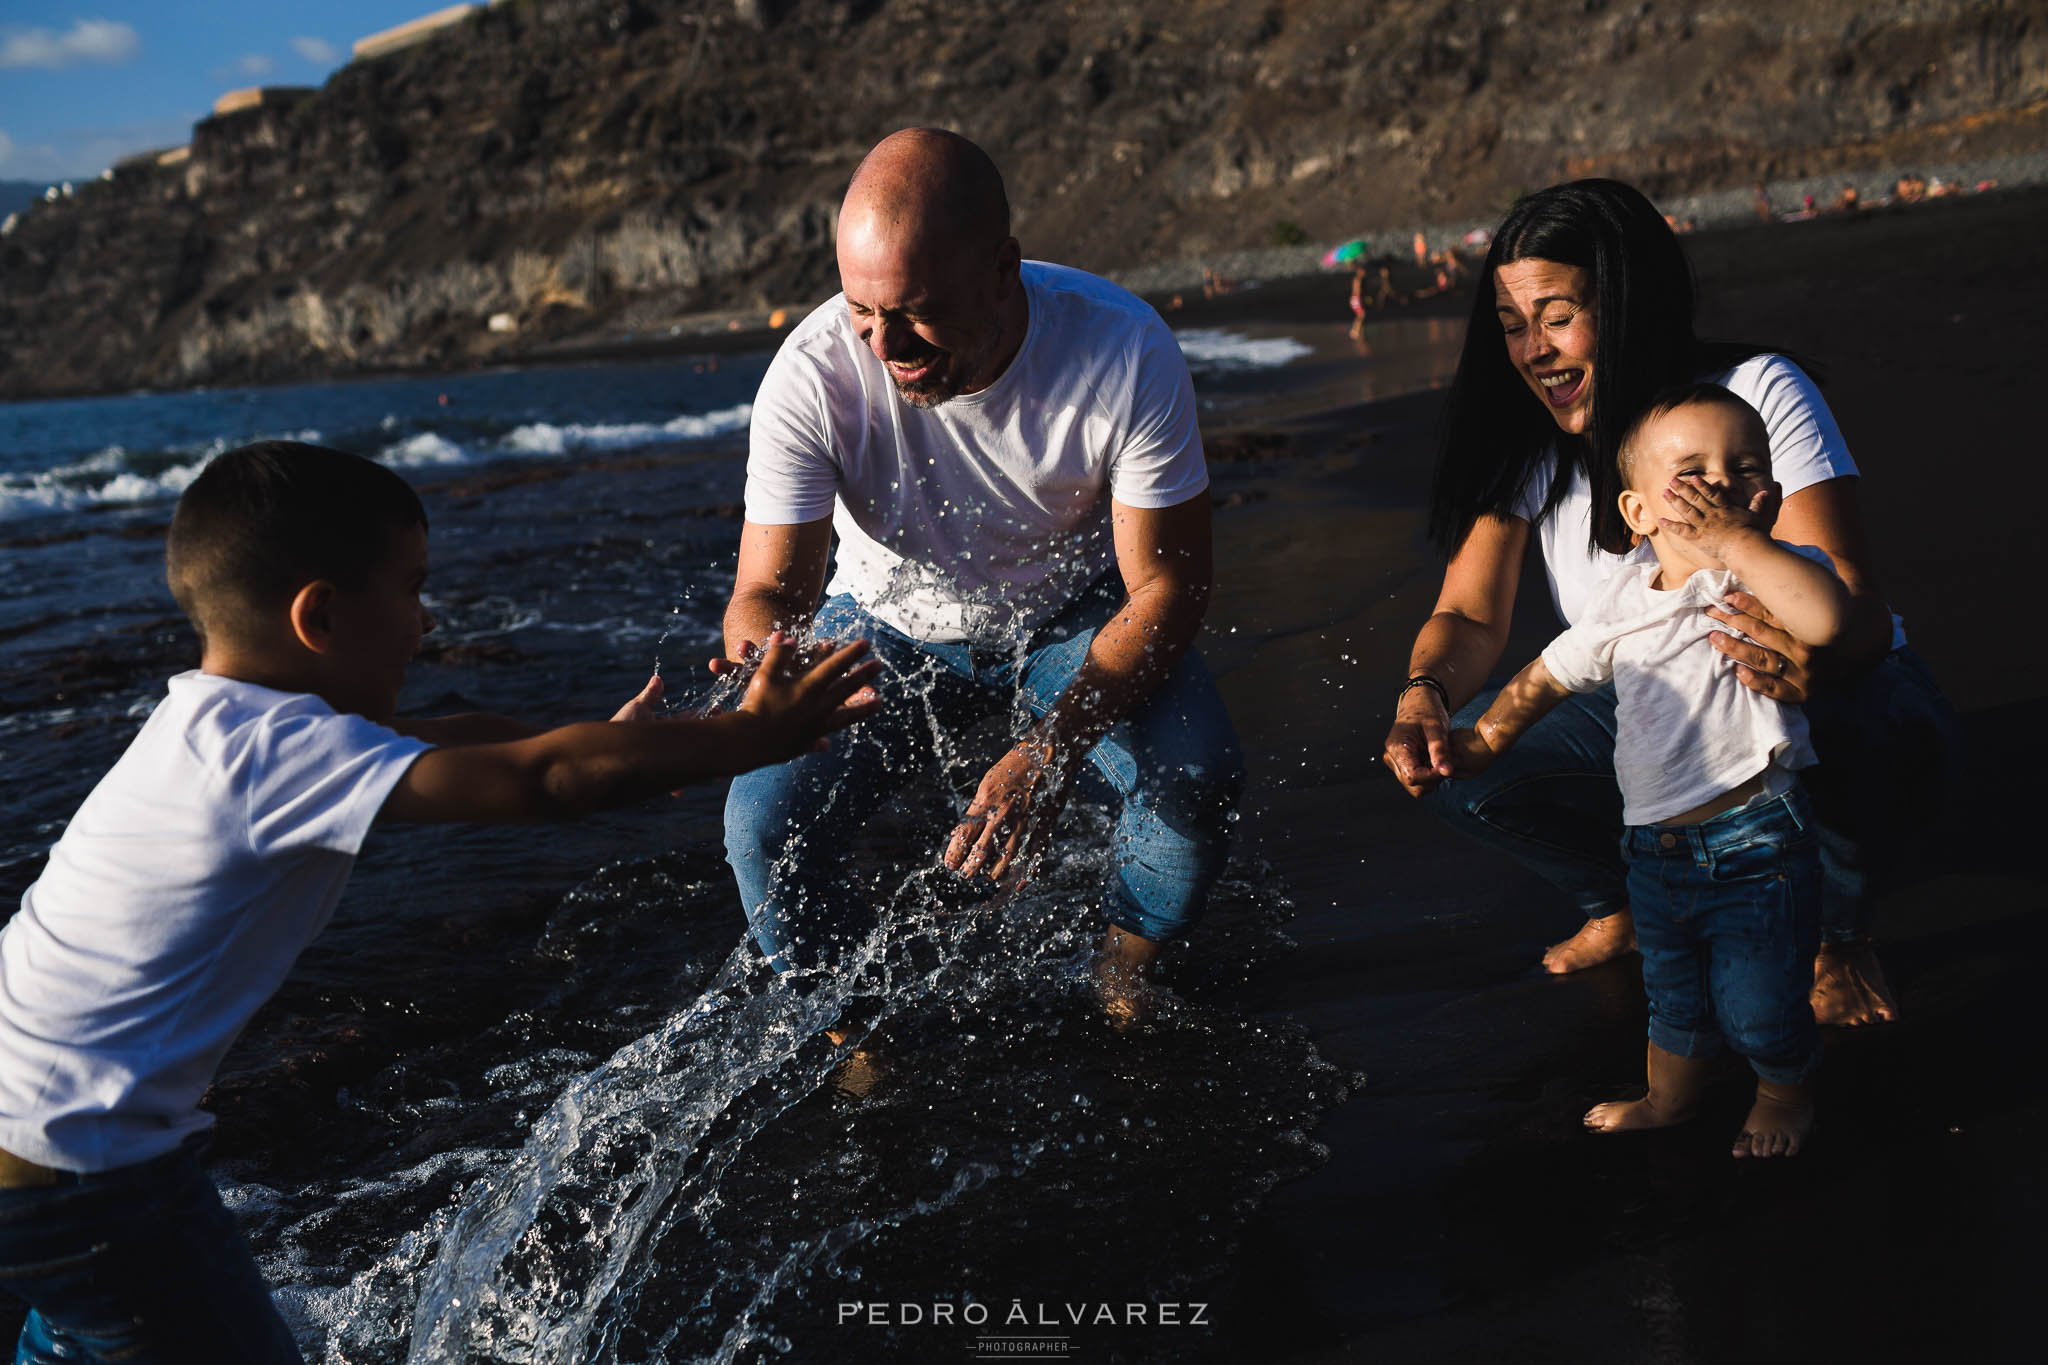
[
  {"x": 1462, "y": 1214},
  {"x": 1446, "y": 1206}
]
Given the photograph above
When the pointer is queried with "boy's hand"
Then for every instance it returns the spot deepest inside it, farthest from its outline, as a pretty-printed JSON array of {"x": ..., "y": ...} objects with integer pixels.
[
  {"x": 1702, "y": 515},
  {"x": 646, "y": 706},
  {"x": 1470, "y": 755},
  {"x": 802, "y": 701}
]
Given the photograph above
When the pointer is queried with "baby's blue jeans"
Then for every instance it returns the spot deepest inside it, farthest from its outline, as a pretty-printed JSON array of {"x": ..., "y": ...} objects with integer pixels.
[
  {"x": 137, "y": 1266},
  {"x": 1171, "y": 766},
  {"x": 1891, "y": 754},
  {"x": 1728, "y": 919}
]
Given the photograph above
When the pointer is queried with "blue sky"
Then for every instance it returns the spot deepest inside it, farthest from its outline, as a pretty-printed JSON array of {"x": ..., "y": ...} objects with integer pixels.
[{"x": 82, "y": 85}]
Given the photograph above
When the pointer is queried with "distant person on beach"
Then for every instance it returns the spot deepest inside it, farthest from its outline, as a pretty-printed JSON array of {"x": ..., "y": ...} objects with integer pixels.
[
  {"x": 1358, "y": 288},
  {"x": 1762, "y": 202},
  {"x": 1846, "y": 201},
  {"x": 1550, "y": 376},
  {"x": 1723, "y": 868},
  {"x": 216, "y": 848},
  {"x": 1008, "y": 453}
]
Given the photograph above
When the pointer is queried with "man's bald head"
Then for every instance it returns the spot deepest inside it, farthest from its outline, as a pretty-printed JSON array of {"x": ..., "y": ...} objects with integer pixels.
[{"x": 925, "y": 187}]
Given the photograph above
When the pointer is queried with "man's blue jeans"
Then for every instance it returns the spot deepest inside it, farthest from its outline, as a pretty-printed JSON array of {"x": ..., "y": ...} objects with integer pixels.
[
  {"x": 1172, "y": 766},
  {"x": 1728, "y": 919},
  {"x": 142, "y": 1266},
  {"x": 1890, "y": 750}
]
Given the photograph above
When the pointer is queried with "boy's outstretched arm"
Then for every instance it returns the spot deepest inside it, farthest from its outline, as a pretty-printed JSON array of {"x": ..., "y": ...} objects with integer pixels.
[
  {"x": 1527, "y": 698},
  {"x": 572, "y": 771}
]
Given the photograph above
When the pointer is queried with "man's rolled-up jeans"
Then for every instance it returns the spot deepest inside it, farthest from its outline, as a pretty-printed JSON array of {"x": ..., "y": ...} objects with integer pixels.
[
  {"x": 1172, "y": 767},
  {"x": 1891, "y": 755}
]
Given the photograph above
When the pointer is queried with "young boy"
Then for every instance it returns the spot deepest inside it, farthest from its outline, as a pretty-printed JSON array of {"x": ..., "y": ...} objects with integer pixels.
[
  {"x": 216, "y": 848},
  {"x": 1723, "y": 869}
]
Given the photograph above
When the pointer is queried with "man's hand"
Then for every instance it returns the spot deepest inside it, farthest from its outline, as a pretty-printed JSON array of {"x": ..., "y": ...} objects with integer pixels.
[
  {"x": 1777, "y": 664},
  {"x": 1013, "y": 810},
  {"x": 1700, "y": 514},
  {"x": 799, "y": 697},
  {"x": 1417, "y": 752}
]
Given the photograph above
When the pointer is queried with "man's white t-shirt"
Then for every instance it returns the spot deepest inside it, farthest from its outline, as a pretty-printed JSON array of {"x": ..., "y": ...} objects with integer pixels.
[
  {"x": 1685, "y": 728},
  {"x": 1806, "y": 448},
  {"x": 176, "y": 901},
  {"x": 981, "y": 518}
]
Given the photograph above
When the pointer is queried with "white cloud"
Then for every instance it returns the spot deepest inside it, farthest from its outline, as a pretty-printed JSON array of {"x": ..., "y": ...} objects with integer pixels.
[
  {"x": 90, "y": 40},
  {"x": 318, "y": 51},
  {"x": 254, "y": 64}
]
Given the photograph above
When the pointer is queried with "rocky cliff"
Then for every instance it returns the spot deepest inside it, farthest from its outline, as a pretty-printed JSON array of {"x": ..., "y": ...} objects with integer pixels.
[{"x": 587, "y": 166}]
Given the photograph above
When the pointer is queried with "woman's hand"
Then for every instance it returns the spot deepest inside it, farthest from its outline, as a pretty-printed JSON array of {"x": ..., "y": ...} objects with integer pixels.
[
  {"x": 1418, "y": 751},
  {"x": 1771, "y": 662}
]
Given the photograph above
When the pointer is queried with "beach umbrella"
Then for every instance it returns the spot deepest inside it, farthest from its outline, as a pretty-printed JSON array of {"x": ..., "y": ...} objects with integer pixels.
[{"x": 1345, "y": 254}]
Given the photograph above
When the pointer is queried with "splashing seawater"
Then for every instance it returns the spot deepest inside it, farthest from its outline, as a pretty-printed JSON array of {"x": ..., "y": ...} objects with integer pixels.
[{"x": 725, "y": 1184}]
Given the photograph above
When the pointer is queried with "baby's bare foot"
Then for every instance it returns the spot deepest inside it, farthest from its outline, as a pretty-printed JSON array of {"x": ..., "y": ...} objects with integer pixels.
[
  {"x": 1598, "y": 940},
  {"x": 1778, "y": 1124},
  {"x": 1624, "y": 1116},
  {"x": 1849, "y": 989},
  {"x": 1675, "y": 1086}
]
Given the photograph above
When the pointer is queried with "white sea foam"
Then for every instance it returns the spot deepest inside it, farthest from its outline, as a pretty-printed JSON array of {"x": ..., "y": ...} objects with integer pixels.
[
  {"x": 103, "y": 478},
  {"x": 545, "y": 438},
  {"x": 1218, "y": 349}
]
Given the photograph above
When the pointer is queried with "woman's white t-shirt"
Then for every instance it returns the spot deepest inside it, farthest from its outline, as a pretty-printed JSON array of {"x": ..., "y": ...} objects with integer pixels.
[{"x": 1806, "y": 448}]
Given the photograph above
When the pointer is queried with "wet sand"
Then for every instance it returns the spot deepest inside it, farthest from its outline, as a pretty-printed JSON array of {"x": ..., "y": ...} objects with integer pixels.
[{"x": 1463, "y": 1215}]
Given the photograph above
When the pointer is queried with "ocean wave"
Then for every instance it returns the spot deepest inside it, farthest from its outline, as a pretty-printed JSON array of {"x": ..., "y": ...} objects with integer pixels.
[
  {"x": 114, "y": 475},
  {"x": 545, "y": 438},
  {"x": 1215, "y": 348}
]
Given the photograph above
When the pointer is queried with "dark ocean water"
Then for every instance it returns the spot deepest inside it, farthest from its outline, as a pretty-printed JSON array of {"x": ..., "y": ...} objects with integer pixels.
[{"x": 532, "y": 1097}]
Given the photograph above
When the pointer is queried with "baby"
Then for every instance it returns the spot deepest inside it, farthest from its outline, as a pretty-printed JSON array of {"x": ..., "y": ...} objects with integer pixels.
[{"x": 1723, "y": 867}]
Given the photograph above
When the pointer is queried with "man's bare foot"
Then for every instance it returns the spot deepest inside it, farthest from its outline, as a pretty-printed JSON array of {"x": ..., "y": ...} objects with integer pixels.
[
  {"x": 1779, "y": 1122},
  {"x": 1675, "y": 1085},
  {"x": 1123, "y": 969},
  {"x": 1849, "y": 989},
  {"x": 1598, "y": 940}
]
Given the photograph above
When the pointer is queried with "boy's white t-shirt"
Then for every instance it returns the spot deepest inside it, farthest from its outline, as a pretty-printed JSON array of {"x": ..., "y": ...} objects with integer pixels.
[
  {"x": 981, "y": 518},
  {"x": 1806, "y": 448},
  {"x": 176, "y": 901},
  {"x": 1686, "y": 729}
]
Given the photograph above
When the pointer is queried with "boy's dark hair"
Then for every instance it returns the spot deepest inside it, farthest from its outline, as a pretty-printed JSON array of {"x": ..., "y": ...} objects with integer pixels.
[
  {"x": 262, "y": 521},
  {"x": 1671, "y": 400}
]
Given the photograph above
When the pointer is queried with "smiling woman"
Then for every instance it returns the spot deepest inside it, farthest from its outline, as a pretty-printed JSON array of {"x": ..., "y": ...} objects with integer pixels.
[{"x": 1585, "y": 306}]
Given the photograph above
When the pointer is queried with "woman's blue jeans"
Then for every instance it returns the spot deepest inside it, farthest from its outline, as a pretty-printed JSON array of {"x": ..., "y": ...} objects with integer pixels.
[
  {"x": 1172, "y": 766},
  {"x": 1890, "y": 750},
  {"x": 140, "y": 1266},
  {"x": 1727, "y": 916}
]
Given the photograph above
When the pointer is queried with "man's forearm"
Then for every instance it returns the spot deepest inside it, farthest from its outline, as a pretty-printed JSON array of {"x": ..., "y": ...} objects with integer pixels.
[
  {"x": 467, "y": 727},
  {"x": 752, "y": 617},
  {"x": 1131, "y": 656}
]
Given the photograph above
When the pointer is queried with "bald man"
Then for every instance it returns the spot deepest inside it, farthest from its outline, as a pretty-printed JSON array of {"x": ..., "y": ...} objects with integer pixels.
[{"x": 1009, "y": 455}]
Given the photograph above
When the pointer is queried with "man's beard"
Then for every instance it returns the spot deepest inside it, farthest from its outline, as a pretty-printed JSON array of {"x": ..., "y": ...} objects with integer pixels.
[{"x": 962, "y": 368}]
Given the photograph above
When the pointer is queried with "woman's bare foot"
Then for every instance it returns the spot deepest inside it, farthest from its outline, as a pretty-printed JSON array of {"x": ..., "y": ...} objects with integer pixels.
[
  {"x": 1849, "y": 989},
  {"x": 1598, "y": 940},
  {"x": 1675, "y": 1085},
  {"x": 1779, "y": 1122}
]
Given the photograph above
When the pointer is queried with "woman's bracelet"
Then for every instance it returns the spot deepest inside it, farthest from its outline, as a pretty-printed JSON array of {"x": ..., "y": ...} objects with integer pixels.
[{"x": 1424, "y": 680}]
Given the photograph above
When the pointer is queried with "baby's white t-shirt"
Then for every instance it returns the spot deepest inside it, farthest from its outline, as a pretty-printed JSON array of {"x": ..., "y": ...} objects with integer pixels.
[
  {"x": 176, "y": 901},
  {"x": 1806, "y": 448},
  {"x": 1685, "y": 728},
  {"x": 981, "y": 518}
]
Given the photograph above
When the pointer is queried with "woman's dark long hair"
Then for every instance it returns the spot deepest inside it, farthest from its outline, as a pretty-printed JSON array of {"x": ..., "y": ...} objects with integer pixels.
[{"x": 1495, "y": 432}]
